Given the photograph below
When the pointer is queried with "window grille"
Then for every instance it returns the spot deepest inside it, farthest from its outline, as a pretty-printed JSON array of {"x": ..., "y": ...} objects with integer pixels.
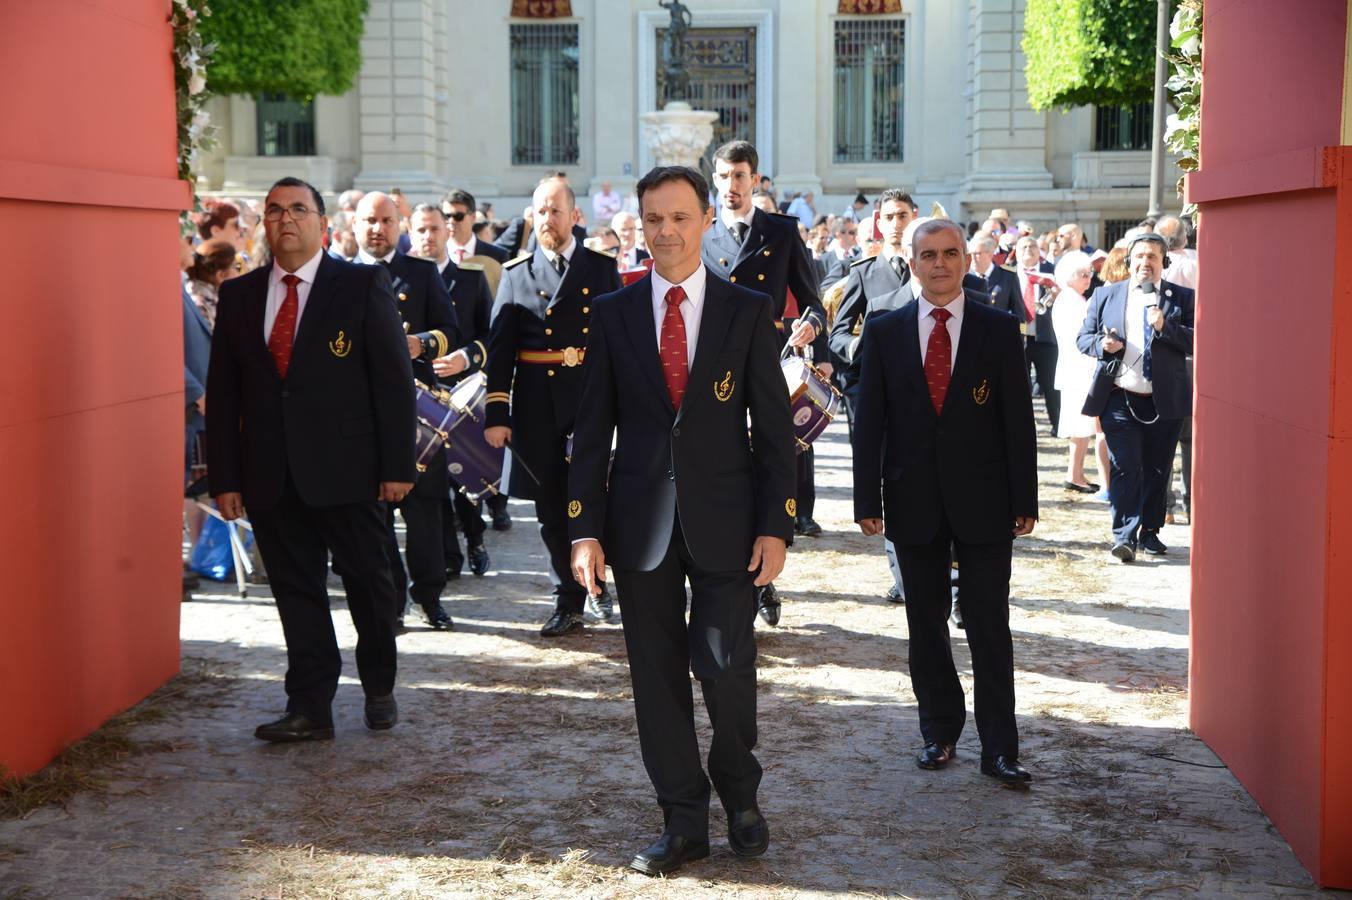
[
  {"x": 1113, "y": 229},
  {"x": 1123, "y": 127},
  {"x": 869, "y": 89},
  {"x": 286, "y": 126},
  {"x": 545, "y": 105}
]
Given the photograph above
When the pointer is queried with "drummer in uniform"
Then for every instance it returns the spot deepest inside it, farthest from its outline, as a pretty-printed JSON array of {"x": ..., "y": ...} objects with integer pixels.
[
  {"x": 762, "y": 251},
  {"x": 428, "y": 227},
  {"x": 536, "y": 347},
  {"x": 432, "y": 330}
]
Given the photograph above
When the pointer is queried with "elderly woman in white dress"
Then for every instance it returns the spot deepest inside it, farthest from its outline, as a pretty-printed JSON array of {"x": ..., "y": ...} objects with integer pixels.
[{"x": 1074, "y": 370}]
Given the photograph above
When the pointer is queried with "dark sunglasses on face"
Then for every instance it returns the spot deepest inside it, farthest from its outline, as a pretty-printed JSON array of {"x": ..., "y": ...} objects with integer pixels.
[{"x": 454, "y": 216}]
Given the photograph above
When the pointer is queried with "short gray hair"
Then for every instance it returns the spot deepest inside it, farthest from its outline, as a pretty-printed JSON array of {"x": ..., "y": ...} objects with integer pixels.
[
  {"x": 982, "y": 241},
  {"x": 931, "y": 226},
  {"x": 1173, "y": 230}
]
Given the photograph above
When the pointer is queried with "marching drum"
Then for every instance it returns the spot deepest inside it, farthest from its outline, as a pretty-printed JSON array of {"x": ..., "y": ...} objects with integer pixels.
[
  {"x": 814, "y": 400},
  {"x": 435, "y": 421},
  {"x": 474, "y": 465}
]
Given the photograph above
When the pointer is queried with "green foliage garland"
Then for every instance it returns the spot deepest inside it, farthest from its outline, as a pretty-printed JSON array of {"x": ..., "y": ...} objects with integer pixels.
[
  {"x": 1183, "y": 135},
  {"x": 295, "y": 47},
  {"x": 1089, "y": 52},
  {"x": 191, "y": 53}
]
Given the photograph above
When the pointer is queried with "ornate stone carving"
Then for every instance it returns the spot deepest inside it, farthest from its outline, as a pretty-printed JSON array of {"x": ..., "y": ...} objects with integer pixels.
[{"x": 678, "y": 135}]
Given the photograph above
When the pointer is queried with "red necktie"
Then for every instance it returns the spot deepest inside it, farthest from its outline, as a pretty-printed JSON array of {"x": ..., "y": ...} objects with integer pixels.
[
  {"x": 675, "y": 368},
  {"x": 1029, "y": 294},
  {"x": 284, "y": 327},
  {"x": 939, "y": 359}
]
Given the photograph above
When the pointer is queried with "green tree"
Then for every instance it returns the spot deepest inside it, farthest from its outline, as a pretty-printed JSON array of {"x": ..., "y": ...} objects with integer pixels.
[
  {"x": 1089, "y": 52},
  {"x": 295, "y": 47}
]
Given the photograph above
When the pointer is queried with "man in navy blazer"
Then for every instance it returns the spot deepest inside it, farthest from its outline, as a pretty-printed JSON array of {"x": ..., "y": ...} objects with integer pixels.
[
  {"x": 945, "y": 463},
  {"x": 310, "y": 427},
  {"x": 676, "y": 363},
  {"x": 1141, "y": 332}
]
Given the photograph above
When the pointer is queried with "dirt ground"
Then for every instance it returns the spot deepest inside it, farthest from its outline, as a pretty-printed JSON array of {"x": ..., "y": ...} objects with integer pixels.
[{"x": 515, "y": 770}]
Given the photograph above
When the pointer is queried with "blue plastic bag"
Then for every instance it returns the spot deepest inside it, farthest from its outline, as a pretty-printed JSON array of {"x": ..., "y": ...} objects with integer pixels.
[{"x": 211, "y": 555}]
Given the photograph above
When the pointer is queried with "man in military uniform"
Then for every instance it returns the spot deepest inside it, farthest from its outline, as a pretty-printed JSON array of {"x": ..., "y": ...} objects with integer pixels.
[
  {"x": 762, "y": 251},
  {"x": 473, "y": 304},
  {"x": 432, "y": 330},
  {"x": 536, "y": 346}
]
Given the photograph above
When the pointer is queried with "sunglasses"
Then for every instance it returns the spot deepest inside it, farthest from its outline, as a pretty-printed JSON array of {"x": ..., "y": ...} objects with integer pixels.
[{"x": 454, "y": 216}]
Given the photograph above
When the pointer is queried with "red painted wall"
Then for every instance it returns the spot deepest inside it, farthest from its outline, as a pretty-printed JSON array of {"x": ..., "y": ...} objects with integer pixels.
[
  {"x": 1272, "y": 579},
  {"x": 91, "y": 387}
]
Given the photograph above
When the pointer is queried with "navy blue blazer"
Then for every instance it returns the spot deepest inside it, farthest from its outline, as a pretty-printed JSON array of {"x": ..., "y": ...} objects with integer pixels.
[
  {"x": 974, "y": 464},
  {"x": 1169, "y": 349},
  {"x": 1002, "y": 286},
  {"x": 700, "y": 463}
]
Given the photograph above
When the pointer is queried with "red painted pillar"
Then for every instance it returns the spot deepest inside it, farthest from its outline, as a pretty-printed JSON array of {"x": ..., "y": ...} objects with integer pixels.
[
  {"x": 91, "y": 391},
  {"x": 1271, "y": 664}
]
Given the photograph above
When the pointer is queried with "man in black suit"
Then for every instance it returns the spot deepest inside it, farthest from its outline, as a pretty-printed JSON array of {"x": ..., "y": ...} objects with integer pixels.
[
  {"x": 1037, "y": 294},
  {"x": 675, "y": 364},
  {"x": 458, "y": 208},
  {"x": 536, "y": 348},
  {"x": 764, "y": 252},
  {"x": 473, "y": 304},
  {"x": 430, "y": 320},
  {"x": 945, "y": 449},
  {"x": 1000, "y": 285},
  {"x": 1141, "y": 332},
  {"x": 311, "y": 428},
  {"x": 631, "y": 256}
]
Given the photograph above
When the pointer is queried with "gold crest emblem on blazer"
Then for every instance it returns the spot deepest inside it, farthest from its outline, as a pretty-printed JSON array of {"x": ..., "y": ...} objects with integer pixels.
[
  {"x": 723, "y": 389},
  {"x": 981, "y": 393},
  {"x": 340, "y": 346}
]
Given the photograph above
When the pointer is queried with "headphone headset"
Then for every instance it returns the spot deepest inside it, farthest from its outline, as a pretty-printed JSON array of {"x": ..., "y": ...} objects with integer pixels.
[{"x": 1152, "y": 238}]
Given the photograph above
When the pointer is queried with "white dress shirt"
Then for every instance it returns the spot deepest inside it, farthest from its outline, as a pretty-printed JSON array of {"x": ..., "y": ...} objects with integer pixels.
[
  {"x": 566, "y": 252},
  {"x": 692, "y": 308},
  {"x": 1182, "y": 268},
  {"x": 1133, "y": 360},
  {"x": 366, "y": 259},
  {"x": 954, "y": 326},
  {"x": 605, "y": 206},
  {"x": 277, "y": 293}
]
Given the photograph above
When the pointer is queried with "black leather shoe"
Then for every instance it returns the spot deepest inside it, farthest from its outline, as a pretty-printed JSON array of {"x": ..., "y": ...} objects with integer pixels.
[
  {"x": 293, "y": 728},
  {"x": 1124, "y": 552},
  {"x": 1006, "y": 769},
  {"x": 956, "y": 616},
  {"x": 669, "y": 853},
  {"x": 561, "y": 623},
  {"x": 478, "y": 560},
  {"x": 936, "y": 755},
  {"x": 1087, "y": 488},
  {"x": 807, "y": 526},
  {"x": 894, "y": 595},
  {"x": 767, "y": 604},
  {"x": 438, "y": 618},
  {"x": 453, "y": 567},
  {"x": 599, "y": 609},
  {"x": 748, "y": 833},
  {"x": 381, "y": 712},
  {"x": 502, "y": 520},
  {"x": 1151, "y": 543}
]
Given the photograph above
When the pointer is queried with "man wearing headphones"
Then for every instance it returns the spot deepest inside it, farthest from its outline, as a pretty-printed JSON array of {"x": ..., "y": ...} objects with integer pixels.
[{"x": 1140, "y": 330}]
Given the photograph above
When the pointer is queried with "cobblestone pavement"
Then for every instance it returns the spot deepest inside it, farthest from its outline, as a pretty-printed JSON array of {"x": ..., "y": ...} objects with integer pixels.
[{"x": 515, "y": 771}]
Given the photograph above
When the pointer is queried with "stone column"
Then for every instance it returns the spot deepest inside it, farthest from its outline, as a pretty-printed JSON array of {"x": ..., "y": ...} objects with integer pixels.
[
  {"x": 796, "y": 89},
  {"x": 1008, "y": 139},
  {"x": 398, "y": 100},
  {"x": 614, "y": 100}
]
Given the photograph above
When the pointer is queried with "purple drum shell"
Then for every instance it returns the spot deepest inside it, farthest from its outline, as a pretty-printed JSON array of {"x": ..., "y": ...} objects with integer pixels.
[
  {"x": 471, "y": 462},
  {"x": 813, "y": 400},
  {"x": 435, "y": 421}
]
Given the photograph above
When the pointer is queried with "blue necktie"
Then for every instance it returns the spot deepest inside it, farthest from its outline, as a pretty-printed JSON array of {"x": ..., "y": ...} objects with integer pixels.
[{"x": 1145, "y": 354}]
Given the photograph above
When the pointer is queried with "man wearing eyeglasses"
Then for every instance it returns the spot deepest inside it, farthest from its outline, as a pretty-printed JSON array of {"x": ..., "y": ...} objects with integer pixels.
[
  {"x": 458, "y": 207},
  {"x": 310, "y": 429},
  {"x": 433, "y": 331}
]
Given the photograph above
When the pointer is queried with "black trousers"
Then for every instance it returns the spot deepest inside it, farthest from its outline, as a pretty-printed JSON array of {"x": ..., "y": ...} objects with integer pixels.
[
  {"x": 551, "y": 509},
  {"x": 295, "y": 540},
  {"x": 1141, "y": 450},
  {"x": 718, "y": 644},
  {"x": 1042, "y": 357},
  {"x": 426, "y": 574},
  {"x": 459, "y": 512},
  {"x": 807, "y": 486},
  {"x": 926, "y": 573}
]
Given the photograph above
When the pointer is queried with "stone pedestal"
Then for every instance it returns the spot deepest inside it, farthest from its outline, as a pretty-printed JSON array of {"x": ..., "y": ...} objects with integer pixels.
[{"x": 678, "y": 135}]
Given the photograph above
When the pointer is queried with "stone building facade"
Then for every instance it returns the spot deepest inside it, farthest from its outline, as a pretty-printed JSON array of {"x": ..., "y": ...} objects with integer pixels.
[{"x": 840, "y": 97}]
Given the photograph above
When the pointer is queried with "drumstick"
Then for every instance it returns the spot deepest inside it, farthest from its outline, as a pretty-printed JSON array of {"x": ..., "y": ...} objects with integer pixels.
[{"x": 525, "y": 468}]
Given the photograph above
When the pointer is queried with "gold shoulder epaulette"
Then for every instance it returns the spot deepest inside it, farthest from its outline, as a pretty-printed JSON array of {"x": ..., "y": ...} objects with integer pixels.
[
  {"x": 516, "y": 262},
  {"x": 862, "y": 260},
  {"x": 470, "y": 267}
]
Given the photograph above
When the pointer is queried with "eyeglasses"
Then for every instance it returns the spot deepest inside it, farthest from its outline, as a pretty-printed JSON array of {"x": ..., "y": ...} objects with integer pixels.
[
  {"x": 454, "y": 216},
  {"x": 298, "y": 212},
  {"x": 851, "y": 231}
]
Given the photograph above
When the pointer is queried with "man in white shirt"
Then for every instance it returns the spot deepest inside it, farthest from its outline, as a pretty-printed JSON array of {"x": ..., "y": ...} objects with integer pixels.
[
  {"x": 606, "y": 203},
  {"x": 631, "y": 256},
  {"x": 1182, "y": 267}
]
